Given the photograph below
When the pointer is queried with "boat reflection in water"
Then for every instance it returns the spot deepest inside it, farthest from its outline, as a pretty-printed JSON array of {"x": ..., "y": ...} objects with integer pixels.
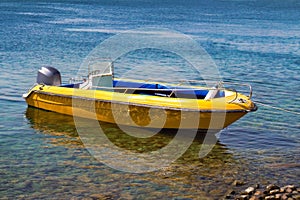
[
  {"x": 56, "y": 124},
  {"x": 193, "y": 175}
]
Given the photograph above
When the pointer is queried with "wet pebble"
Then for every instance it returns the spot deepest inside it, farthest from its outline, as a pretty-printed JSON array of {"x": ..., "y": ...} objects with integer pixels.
[
  {"x": 271, "y": 197},
  {"x": 272, "y": 187},
  {"x": 244, "y": 197},
  {"x": 250, "y": 190},
  {"x": 258, "y": 193},
  {"x": 270, "y": 192},
  {"x": 278, "y": 196},
  {"x": 276, "y": 191}
]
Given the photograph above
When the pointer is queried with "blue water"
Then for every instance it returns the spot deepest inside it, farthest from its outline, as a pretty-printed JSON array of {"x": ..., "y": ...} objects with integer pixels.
[{"x": 256, "y": 42}]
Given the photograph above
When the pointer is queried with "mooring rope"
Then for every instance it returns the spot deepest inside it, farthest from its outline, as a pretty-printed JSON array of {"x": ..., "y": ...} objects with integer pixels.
[{"x": 277, "y": 108}]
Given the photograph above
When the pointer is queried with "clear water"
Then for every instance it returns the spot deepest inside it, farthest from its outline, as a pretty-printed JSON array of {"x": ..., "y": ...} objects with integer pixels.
[{"x": 257, "y": 42}]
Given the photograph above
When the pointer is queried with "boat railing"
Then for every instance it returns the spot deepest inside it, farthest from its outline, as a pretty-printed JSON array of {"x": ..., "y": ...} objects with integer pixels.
[
  {"x": 174, "y": 89},
  {"x": 149, "y": 89},
  {"x": 76, "y": 80},
  {"x": 98, "y": 72},
  {"x": 213, "y": 83},
  {"x": 241, "y": 84},
  {"x": 222, "y": 83},
  {"x": 169, "y": 92}
]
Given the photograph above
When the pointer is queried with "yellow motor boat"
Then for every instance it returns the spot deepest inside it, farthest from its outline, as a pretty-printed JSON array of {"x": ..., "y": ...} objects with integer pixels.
[{"x": 139, "y": 103}]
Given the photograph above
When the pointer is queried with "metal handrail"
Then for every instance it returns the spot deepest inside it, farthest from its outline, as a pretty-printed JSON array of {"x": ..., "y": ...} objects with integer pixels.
[
  {"x": 224, "y": 82},
  {"x": 153, "y": 89},
  {"x": 74, "y": 80},
  {"x": 236, "y": 95},
  {"x": 243, "y": 84},
  {"x": 173, "y": 90}
]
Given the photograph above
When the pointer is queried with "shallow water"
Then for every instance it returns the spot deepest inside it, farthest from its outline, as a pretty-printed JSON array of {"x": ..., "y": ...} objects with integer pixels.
[{"x": 255, "y": 42}]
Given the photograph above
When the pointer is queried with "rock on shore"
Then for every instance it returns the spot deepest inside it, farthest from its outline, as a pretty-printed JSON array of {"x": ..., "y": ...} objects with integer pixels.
[{"x": 270, "y": 192}]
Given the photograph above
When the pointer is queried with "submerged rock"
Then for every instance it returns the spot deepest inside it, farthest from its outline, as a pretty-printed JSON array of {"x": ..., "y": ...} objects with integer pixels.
[{"x": 238, "y": 183}]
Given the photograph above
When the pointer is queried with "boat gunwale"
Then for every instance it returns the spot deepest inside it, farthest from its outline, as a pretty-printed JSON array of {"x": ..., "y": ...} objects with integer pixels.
[{"x": 141, "y": 104}]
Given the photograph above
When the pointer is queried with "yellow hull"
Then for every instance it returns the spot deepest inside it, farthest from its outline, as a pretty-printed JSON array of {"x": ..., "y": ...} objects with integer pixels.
[{"x": 140, "y": 110}]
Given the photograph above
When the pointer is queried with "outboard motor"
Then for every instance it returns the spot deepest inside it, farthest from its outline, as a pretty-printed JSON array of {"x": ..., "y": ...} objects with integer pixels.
[{"x": 49, "y": 76}]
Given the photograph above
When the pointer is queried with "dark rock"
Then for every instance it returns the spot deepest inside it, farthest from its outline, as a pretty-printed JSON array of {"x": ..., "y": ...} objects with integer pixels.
[
  {"x": 257, "y": 186},
  {"x": 288, "y": 194},
  {"x": 229, "y": 195},
  {"x": 266, "y": 192},
  {"x": 232, "y": 192},
  {"x": 261, "y": 197}
]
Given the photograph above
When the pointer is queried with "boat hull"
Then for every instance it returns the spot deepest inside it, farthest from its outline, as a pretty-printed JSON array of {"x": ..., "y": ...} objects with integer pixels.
[{"x": 134, "y": 110}]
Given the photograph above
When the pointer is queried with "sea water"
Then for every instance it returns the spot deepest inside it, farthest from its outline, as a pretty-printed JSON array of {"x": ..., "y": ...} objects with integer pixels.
[{"x": 255, "y": 42}]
